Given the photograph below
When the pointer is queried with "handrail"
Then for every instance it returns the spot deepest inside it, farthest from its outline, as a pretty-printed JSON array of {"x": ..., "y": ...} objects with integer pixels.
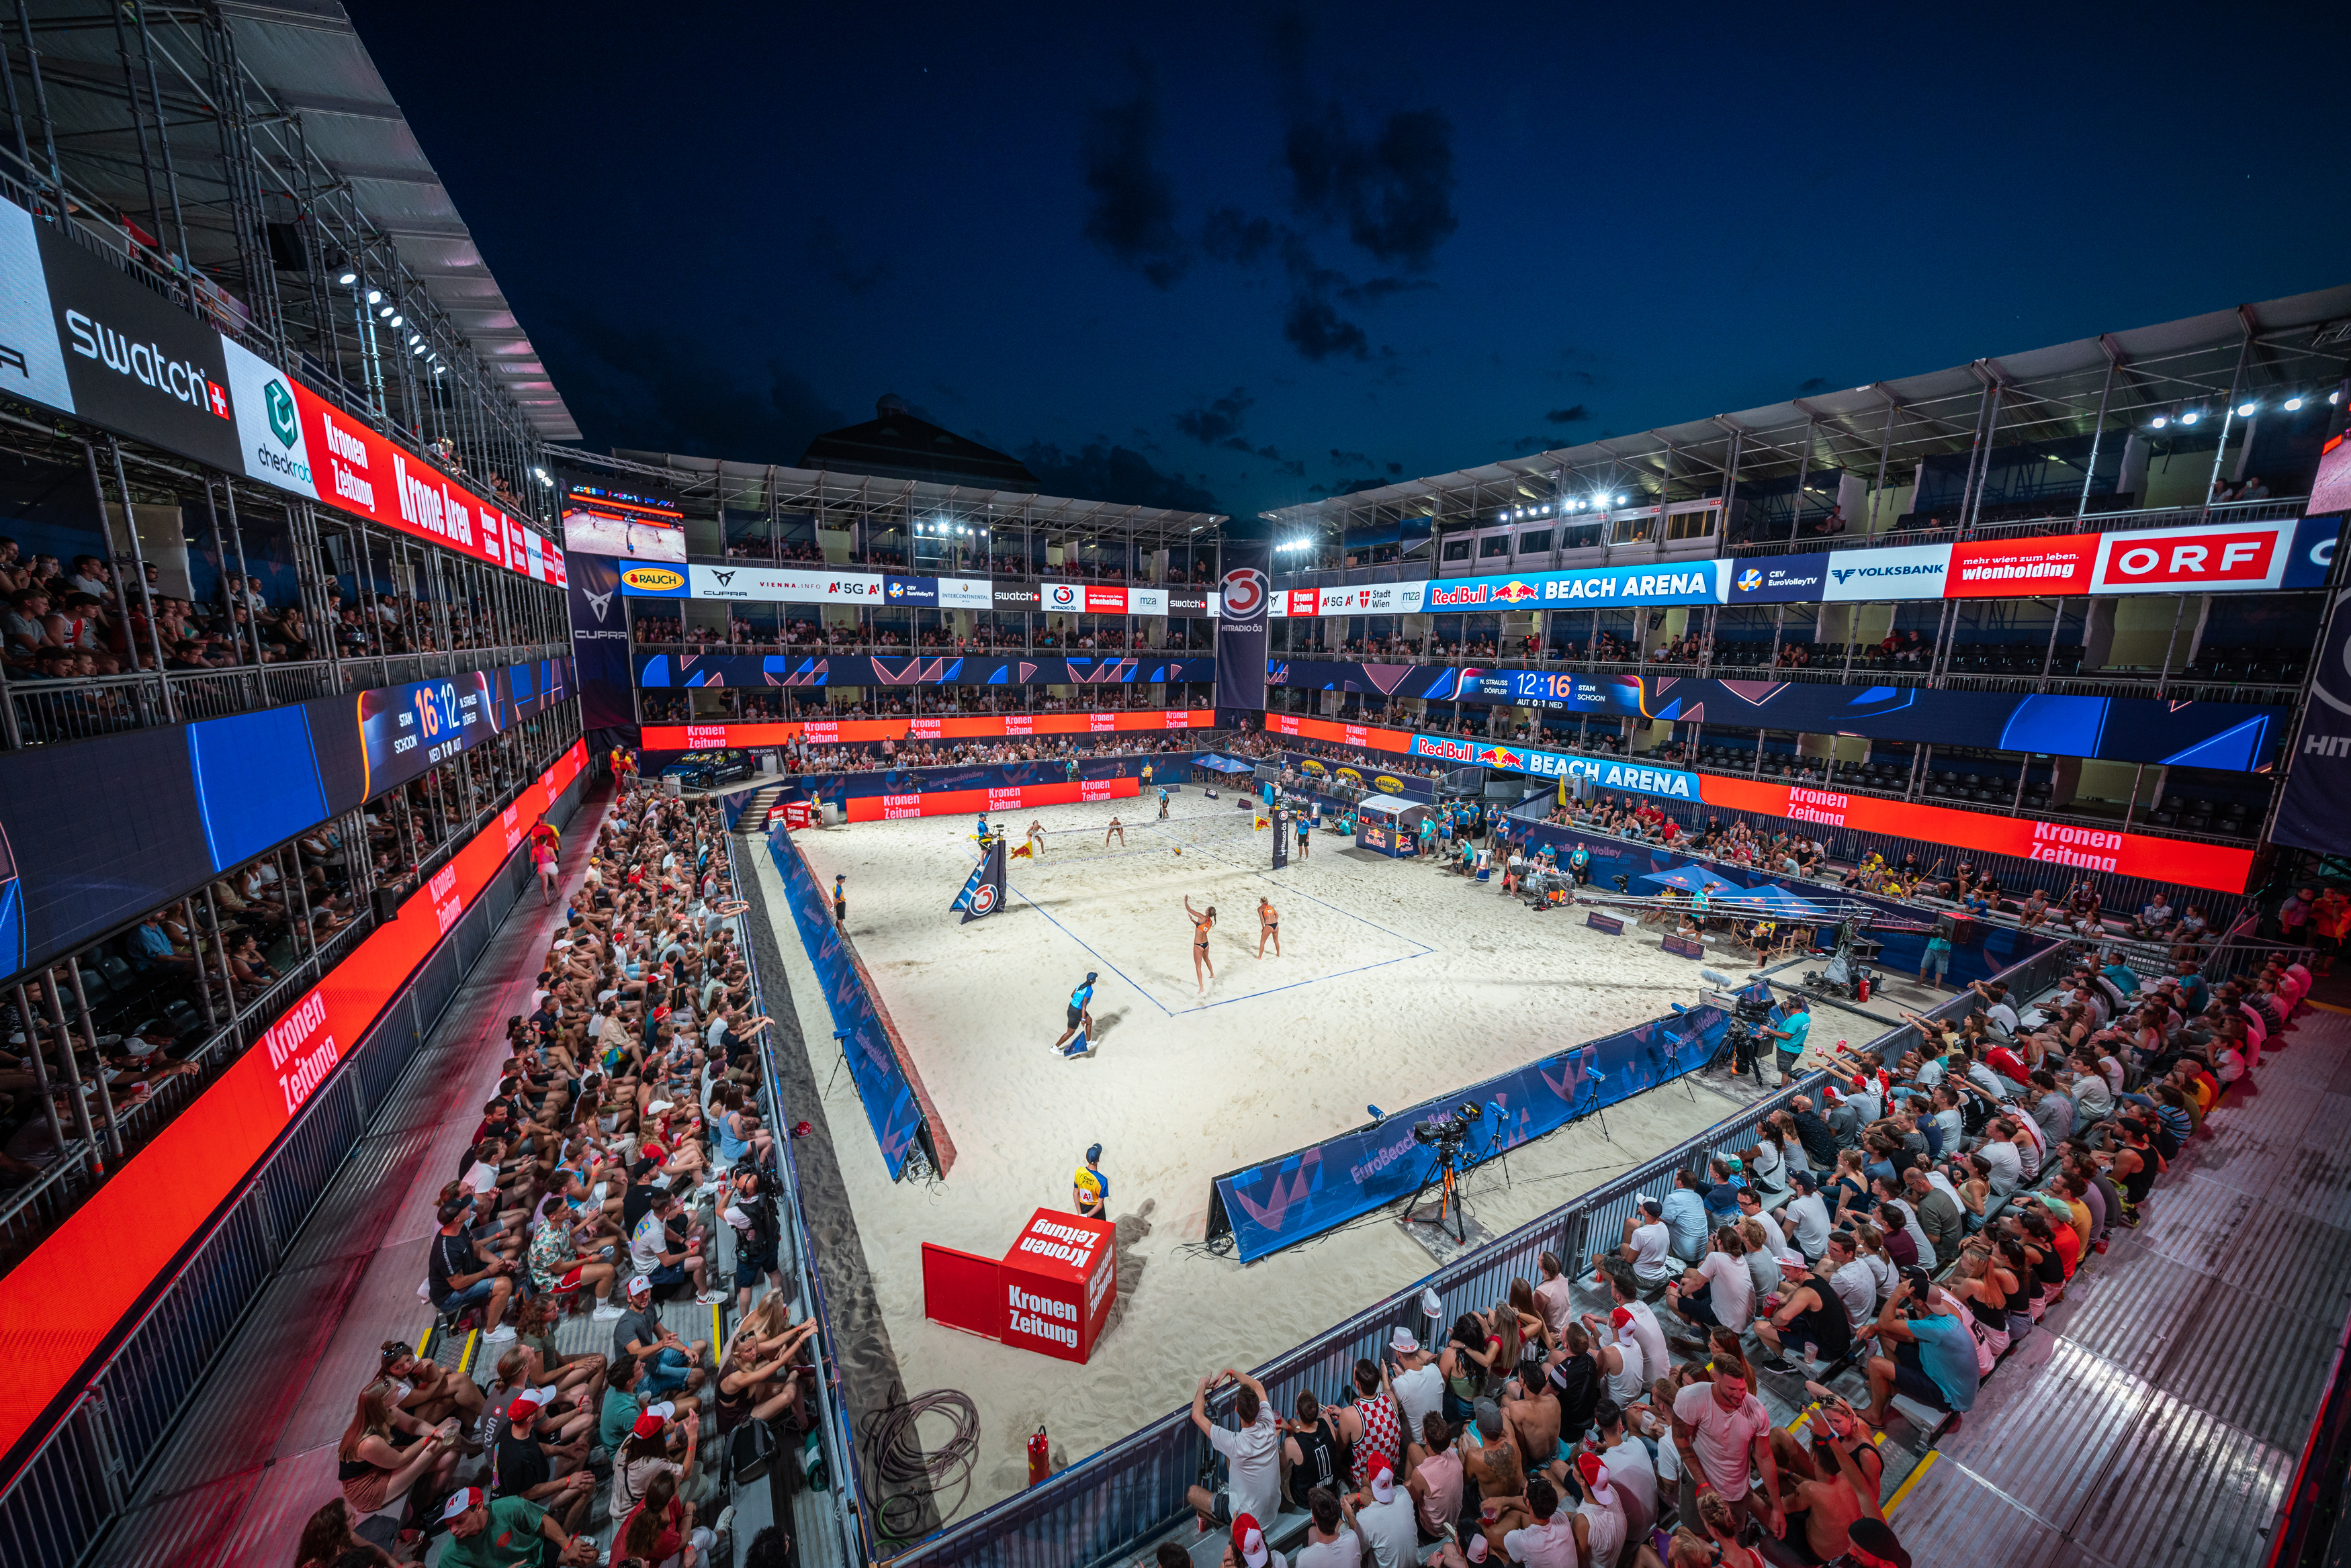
[{"x": 2268, "y": 509}]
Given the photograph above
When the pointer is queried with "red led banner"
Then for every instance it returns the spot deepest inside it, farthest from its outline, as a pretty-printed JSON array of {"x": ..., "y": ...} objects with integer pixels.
[
  {"x": 2172, "y": 860},
  {"x": 945, "y": 727},
  {"x": 2212, "y": 866},
  {"x": 948, "y": 802},
  {"x": 61, "y": 1306}
]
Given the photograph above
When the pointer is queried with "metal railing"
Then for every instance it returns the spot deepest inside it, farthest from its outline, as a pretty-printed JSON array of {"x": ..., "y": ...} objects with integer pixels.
[
  {"x": 1110, "y": 1504},
  {"x": 50, "y": 712},
  {"x": 79, "y": 1476},
  {"x": 2268, "y": 509},
  {"x": 832, "y": 1425}
]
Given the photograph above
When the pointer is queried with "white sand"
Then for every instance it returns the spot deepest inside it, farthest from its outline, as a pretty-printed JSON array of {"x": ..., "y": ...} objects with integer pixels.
[{"x": 1398, "y": 982}]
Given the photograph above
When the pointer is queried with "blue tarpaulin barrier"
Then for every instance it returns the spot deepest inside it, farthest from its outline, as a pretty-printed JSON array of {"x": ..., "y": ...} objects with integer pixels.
[
  {"x": 881, "y": 1083},
  {"x": 1283, "y": 1202}
]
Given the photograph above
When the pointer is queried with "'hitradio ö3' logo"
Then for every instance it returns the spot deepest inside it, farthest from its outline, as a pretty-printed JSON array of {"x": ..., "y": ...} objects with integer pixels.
[{"x": 1243, "y": 591}]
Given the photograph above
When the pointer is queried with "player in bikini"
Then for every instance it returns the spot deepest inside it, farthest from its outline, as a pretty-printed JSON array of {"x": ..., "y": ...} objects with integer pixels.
[
  {"x": 1035, "y": 835},
  {"x": 1117, "y": 830},
  {"x": 1201, "y": 925},
  {"x": 1269, "y": 928},
  {"x": 1163, "y": 804}
]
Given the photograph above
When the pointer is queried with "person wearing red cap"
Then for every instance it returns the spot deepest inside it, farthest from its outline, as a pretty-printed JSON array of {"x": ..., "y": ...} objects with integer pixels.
[
  {"x": 1248, "y": 1548},
  {"x": 521, "y": 1465},
  {"x": 1384, "y": 1518}
]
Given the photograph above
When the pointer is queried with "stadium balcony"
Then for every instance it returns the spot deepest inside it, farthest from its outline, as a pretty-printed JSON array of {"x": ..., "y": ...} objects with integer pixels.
[{"x": 113, "y": 1040}]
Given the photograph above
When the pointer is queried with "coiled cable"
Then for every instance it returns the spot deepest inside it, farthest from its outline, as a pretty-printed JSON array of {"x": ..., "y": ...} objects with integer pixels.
[{"x": 894, "y": 1448}]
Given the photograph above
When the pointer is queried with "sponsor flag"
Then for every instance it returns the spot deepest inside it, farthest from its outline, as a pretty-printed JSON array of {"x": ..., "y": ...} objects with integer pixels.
[
  {"x": 2316, "y": 811},
  {"x": 984, "y": 893},
  {"x": 1245, "y": 595}
]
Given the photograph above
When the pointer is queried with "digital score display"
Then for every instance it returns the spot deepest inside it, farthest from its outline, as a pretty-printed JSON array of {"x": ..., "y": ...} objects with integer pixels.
[{"x": 408, "y": 729}]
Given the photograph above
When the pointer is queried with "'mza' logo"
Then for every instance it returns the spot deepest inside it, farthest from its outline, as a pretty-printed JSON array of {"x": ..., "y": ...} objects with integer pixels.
[{"x": 284, "y": 421}]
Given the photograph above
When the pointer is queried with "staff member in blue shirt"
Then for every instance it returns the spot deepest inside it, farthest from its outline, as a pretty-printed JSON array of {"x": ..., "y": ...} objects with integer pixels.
[
  {"x": 1080, "y": 1018},
  {"x": 1795, "y": 1026}
]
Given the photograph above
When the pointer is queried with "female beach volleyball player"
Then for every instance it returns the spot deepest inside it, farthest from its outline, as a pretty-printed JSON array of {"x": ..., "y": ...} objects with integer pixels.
[
  {"x": 1201, "y": 926},
  {"x": 1269, "y": 928}
]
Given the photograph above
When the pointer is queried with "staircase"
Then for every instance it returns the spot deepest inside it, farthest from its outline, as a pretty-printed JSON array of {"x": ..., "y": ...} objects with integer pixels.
[{"x": 754, "y": 820}]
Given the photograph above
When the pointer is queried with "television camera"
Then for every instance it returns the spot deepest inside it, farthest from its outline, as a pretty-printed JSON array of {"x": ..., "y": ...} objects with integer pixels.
[
  {"x": 1449, "y": 1131},
  {"x": 1444, "y": 1135}
]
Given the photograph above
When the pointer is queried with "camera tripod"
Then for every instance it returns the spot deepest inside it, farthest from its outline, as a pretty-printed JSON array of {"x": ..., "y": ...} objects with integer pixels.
[{"x": 1445, "y": 1171}]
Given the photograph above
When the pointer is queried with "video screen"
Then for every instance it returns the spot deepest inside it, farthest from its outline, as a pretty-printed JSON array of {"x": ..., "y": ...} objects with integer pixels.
[
  {"x": 2331, "y": 491},
  {"x": 624, "y": 536}
]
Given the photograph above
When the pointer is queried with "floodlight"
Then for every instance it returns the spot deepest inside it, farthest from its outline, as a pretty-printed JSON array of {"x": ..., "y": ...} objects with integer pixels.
[
  {"x": 397, "y": 320},
  {"x": 348, "y": 279},
  {"x": 1620, "y": 501},
  {"x": 418, "y": 350},
  {"x": 2245, "y": 411},
  {"x": 374, "y": 295},
  {"x": 2293, "y": 404},
  {"x": 2190, "y": 417},
  {"x": 2157, "y": 422}
]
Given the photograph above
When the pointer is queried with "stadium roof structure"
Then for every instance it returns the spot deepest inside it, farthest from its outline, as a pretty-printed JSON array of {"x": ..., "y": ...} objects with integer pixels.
[
  {"x": 896, "y": 444},
  {"x": 308, "y": 135},
  {"x": 834, "y": 499},
  {"x": 2113, "y": 381}
]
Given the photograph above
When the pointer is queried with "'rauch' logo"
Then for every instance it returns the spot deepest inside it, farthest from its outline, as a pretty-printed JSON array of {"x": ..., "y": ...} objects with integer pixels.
[
  {"x": 654, "y": 579},
  {"x": 284, "y": 421}
]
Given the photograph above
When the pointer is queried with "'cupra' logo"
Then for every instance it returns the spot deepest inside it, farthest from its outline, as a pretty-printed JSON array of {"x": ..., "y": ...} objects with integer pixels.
[
  {"x": 1244, "y": 591},
  {"x": 600, "y": 603},
  {"x": 285, "y": 420},
  {"x": 721, "y": 578}
]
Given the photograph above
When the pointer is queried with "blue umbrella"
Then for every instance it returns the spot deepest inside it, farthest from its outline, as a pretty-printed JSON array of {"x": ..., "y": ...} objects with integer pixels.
[
  {"x": 1781, "y": 901},
  {"x": 1691, "y": 880}
]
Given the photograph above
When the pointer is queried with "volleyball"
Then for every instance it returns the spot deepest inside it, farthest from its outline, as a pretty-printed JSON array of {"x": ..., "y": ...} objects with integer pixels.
[{"x": 1179, "y": 849}]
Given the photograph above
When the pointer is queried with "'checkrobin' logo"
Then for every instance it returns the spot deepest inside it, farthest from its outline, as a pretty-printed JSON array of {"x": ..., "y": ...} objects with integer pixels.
[{"x": 285, "y": 420}]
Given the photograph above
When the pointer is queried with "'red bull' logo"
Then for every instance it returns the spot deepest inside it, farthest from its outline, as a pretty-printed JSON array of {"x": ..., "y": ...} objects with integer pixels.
[
  {"x": 1500, "y": 757},
  {"x": 1514, "y": 592}
]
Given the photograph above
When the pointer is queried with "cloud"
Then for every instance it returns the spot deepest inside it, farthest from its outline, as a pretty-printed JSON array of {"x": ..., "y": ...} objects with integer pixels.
[
  {"x": 1574, "y": 415},
  {"x": 1271, "y": 454},
  {"x": 1100, "y": 471},
  {"x": 1391, "y": 189},
  {"x": 826, "y": 251},
  {"x": 1394, "y": 468},
  {"x": 644, "y": 390},
  {"x": 1313, "y": 327},
  {"x": 1219, "y": 420},
  {"x": 1232, "y": 235},
  {"x": 1344, "y": 487},
  {"x": 1816, "y": 384},
  {"x": 1132, "y": 214},
  {"x": 1349, "y": 459},
  {"x": 1295, "y": 468}
]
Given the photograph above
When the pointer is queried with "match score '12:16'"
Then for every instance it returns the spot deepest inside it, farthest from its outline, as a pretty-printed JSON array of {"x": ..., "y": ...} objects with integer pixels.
[{"x": 1534, "y": 686}]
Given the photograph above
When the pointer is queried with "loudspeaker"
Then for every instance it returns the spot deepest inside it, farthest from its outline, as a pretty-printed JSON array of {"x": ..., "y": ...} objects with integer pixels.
[{"x": 386, "y": 903}]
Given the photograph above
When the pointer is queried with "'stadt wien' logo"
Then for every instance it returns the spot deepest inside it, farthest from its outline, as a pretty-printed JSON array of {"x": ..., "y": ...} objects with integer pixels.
[{"x": 1244, "y": 593}]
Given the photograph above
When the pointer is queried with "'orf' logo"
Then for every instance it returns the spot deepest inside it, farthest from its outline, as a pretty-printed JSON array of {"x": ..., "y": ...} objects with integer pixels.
[{"x": 1243, "y": 592}]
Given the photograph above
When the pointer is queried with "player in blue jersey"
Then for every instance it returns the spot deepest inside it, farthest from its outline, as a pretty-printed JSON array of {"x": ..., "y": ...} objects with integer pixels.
[{"x": 1082, "y": 1021}]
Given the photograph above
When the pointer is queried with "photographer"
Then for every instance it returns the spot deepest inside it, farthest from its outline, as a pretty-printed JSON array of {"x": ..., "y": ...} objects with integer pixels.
[{"x": 758, "y": 1230}]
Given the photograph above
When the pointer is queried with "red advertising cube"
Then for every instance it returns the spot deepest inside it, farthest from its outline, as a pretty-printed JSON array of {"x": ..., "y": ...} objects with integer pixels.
[{"x": 1056, "y": 1281}]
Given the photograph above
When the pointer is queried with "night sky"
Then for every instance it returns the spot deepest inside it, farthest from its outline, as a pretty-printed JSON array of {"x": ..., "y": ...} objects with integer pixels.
[{"x": 1227, "y": 258}]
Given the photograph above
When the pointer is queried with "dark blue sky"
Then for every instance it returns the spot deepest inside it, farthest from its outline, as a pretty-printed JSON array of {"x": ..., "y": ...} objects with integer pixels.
[{"x": 1227, "y": 256}]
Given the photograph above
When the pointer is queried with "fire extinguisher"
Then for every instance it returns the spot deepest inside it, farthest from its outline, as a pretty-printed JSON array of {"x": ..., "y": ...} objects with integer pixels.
[
  {"x": 1861, "y": 986},
  {"x": 1040, "y": 1456}
]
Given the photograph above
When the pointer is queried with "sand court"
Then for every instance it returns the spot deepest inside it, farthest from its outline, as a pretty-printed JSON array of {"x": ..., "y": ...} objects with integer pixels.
[{"x": 1397, "y": 983}]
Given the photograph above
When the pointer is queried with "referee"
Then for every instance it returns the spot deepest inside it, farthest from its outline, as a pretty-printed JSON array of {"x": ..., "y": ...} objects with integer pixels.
[{"x": 840, "y": 899}]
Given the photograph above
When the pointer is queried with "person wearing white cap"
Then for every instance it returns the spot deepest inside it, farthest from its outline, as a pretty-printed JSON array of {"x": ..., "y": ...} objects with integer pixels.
[
  {"x": 1414, "y": 1378},
  {"x": 507, "y": 1532}
]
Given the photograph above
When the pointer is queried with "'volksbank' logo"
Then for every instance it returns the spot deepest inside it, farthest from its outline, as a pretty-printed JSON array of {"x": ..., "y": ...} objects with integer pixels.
[
  {"x": 285, "y": 420},
  {"x": 1922, "y": 569}
]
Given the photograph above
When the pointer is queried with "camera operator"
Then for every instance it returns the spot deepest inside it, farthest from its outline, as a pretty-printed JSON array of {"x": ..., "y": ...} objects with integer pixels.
[
  {"x": 751, "y": 1209},
  {"x": 1795, "y": 1028}
]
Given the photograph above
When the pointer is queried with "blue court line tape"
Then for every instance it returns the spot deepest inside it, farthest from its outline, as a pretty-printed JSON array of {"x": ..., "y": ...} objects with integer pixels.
[
  {"x": 1097, "y": 956},
  {"x": 1264, "y": 875},
  {"x": 1318, "y": 980}
]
